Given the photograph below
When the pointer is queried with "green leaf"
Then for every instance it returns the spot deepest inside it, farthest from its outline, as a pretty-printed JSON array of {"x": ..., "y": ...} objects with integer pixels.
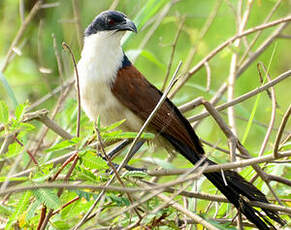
[
  {"x": 6, "y": 210},
  {"x": 13, "y": 150},
  {"x": 91, "y": 161},
  {"x": 64, "y": 144},
  {"x": 85, "y": 174},
  {"x": 113, "y": 126},
  {"x": 8, "y": 89},
  {"x": 82, "y": 194},
  {"x": 19, "y": 111},
  {"x": 98, "y": 122},
  {"x": 4, "y": 178},
  {"x": 119, "y": 201},
  {"x": 48, "y": 197},
  {"x": 4, "y": 113},
  {"x": 138, "y": 174},
  {"x": 61, "y": 225},
  {"x": 32, "y": 209},
  {"x": 21, "y": 207}
]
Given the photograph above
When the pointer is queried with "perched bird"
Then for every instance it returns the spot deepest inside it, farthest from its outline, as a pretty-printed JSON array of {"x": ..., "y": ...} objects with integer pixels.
[{"x": 113, "y": 88}]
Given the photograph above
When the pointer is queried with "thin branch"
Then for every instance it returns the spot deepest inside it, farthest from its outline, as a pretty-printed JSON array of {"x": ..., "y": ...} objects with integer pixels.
[
  {"x": 22, "y": 29},
  {"x": 156, "y": 24},
  {"x": 208, "y": 74},
  {"x": 241, "y": 98},
  {"x": 219, "y": 167},
  {"x": 202, "y": 34},
  {"x": 79, "y": 30},
  {"x": 260, "y": 32},
  {"x": 114, "y": 4},
  {"x": 78, "y": 87},
  {"x": 174, "y": 44},
  {"x": 40, "y": 101},
  {"x": 280, "y": 132},
  {"x": 223, "y": 45},
  {"x": 192, "y": 215},
  {"x": 273, "y": 114},
  {"x": 113, "y": 167},
  {"x": 218, "y": 95},
  {"x": 233, "y": 66}
]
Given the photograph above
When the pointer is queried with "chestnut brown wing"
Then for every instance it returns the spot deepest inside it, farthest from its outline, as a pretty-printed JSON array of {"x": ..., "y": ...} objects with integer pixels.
[{"x": 134, "y": 91}]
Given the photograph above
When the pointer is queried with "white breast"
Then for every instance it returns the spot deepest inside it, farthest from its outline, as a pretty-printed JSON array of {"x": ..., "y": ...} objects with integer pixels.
[{"x": 101, "y": 58}]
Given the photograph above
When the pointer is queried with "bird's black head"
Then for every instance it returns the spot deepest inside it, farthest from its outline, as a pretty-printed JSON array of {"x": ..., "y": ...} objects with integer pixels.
[{"x": 110, "y": 20}]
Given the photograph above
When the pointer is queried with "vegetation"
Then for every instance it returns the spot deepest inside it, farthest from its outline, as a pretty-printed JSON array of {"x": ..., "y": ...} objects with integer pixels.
[{"x": 52, "y": 176}]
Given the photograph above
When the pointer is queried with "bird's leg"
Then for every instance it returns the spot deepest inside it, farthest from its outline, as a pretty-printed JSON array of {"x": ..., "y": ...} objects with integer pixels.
[
  {"x": 119, "y": 147},
  {"x": 112, "y": 154},
  {"x": 137, "y": 146}
]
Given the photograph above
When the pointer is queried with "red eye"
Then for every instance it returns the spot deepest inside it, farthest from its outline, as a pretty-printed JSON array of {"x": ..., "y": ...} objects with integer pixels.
[{"x": 111, "y": 21}]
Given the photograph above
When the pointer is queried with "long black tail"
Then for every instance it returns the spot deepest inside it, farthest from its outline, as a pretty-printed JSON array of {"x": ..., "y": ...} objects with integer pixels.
[{"x": 234, "y": 187}]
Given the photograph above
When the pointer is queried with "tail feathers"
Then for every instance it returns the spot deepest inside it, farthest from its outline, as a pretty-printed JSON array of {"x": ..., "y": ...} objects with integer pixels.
[
  {"x": 236, "y": 189},
  {"x": 248, "y": 190}
]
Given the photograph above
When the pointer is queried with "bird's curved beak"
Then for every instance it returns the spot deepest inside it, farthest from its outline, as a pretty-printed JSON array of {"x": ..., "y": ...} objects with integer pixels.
[{"x": 127, "y": 25}]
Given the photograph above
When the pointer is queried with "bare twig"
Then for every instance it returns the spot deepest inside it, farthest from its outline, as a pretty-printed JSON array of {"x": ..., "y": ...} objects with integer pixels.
[
  {"x": 78, "y": 87},
  {"x": 246, "y": 63},
  {"x": 20, "y": 33},
  {"x": 233, "y": 66},
  {"x": 114, "y": 4},
  {"x": 259, "y": 32},
  {"x": 173, "y": 53},
  {"x": 219, "y": 167},
  {"x": 280, "y": 132},
  {"x": 208, "y": 74},
  {"x": 239, "y": 99},
  {"x": 77, "y": 18},
  {"x": 67, "y": 84},
  {"x": 273, "y": 115},
  {"x": 156, "y": 24},
  {"x": 203, "y": 32},
  {"x": 222, "y": 46},
  {"x": 192, "y": 215}
]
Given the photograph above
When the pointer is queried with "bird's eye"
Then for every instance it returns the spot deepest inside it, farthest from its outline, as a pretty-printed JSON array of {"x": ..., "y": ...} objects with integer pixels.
[{"x": 111, "y": 21}]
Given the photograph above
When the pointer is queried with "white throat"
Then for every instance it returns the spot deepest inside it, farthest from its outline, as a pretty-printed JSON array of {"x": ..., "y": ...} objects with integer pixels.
[
  {"x": 101, "y": 56},
  {"x": 100, "y": 61}
]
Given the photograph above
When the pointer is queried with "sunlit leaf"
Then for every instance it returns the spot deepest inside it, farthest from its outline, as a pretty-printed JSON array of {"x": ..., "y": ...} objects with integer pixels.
[
  {"x": 64, "y": 144},
  {"x": 113, "y": 126},
  {"x": 20, "y": 208},
  {"x": 137, "y": 174},
  {"x": 91, "y": 161},
  {"x": 48, "y": 197},
  {"x": 19, "y": 111}
]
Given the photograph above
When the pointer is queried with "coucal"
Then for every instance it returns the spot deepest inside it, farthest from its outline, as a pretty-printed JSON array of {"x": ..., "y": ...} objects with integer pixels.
[{"x": 113, "y": 88}]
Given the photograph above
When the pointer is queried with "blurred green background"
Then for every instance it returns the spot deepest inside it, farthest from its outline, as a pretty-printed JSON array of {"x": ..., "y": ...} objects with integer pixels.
[{"x": 34, "y": 72}]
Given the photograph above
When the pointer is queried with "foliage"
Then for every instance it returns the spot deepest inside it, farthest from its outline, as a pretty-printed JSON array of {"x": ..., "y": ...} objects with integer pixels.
[{"x": 36, "y": 67}]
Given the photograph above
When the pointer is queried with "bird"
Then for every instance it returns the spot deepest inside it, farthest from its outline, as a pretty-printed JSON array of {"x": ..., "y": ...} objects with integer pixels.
[{"x": 113, "y": 88}]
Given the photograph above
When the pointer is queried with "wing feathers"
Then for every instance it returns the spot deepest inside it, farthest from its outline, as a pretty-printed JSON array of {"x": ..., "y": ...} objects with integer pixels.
[{"x": 140, "y": 96}]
